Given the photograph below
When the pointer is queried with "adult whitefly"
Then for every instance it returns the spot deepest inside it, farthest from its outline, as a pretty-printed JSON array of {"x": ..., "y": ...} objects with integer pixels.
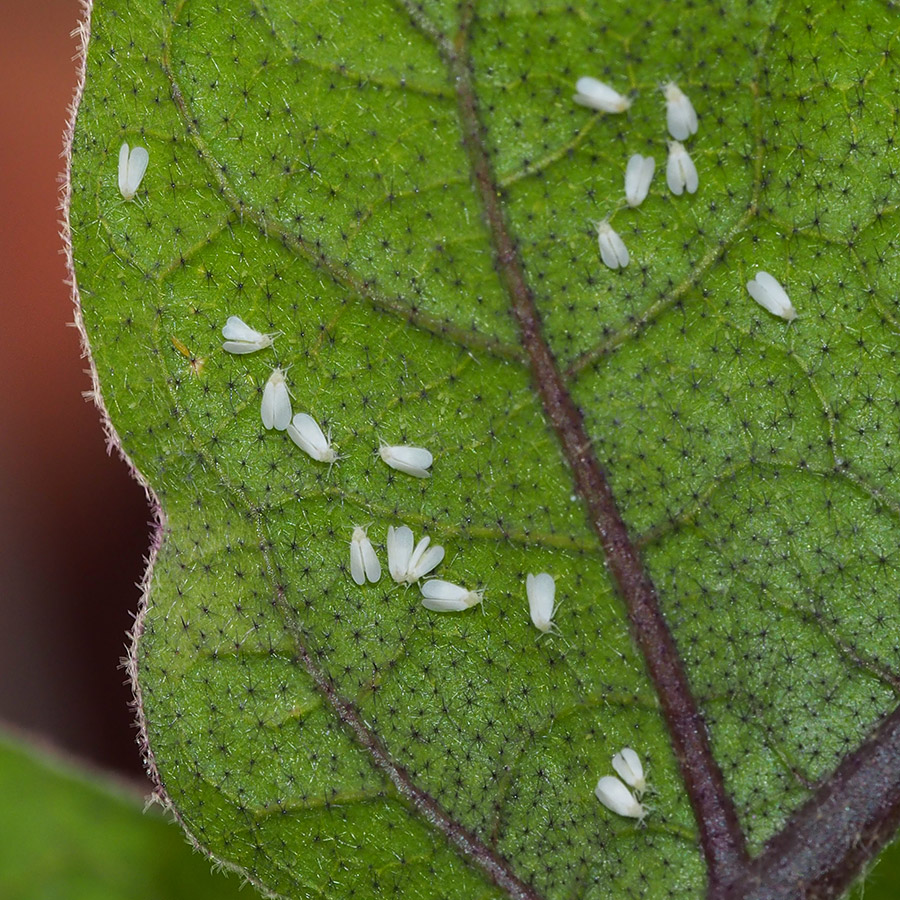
[
  {"x": 541, "y": 592},
  {"x": 616, "y": 797},
  {"x": 399, "y": 550},
  {"x": 629, "y": 768},
  {"x": 423, "y": 559},
  {"x": 613, "y": 251},
  {"x": 681, "y": 173},
  {"x": 364, "y": 564},
  {"x": 132, "y": 166},
  {"x": 407, "y": 564},
  {"x": 638, "y": 175},
  {"x": 445, "y": 596},
  {"x": 241, "y": 338},
  {"x": 599, "y": 95},
  {"x": 413, "y": 461},
  {"x": 305, "y": 432},
  {"x": 681, "y": 118},
  {"x": 767, "y": 291},
  {"x": 276, "y": 402}
]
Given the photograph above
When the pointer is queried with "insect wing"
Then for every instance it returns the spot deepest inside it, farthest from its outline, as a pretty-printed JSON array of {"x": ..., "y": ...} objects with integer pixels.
[
  {"x": 399, "y": 548},
  {"x": 411, "y": 460},
  {"x": 137, "y": 166},
  {"x": 123, "y": 172},
  {"x": 541, "y": 591},
  {"x": 424, "y": 561},
  {"x": 616, "y": 797},
  {"x": 357, "y": 565},
  {"x": 370, "y": 560}
]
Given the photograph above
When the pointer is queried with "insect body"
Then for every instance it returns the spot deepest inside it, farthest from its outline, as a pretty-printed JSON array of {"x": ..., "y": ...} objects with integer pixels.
[
  {"x": 597, "y": 95},
  {"x": 616, "y": 797},
  {"x": 276, "y": 402},
  {"x": 241, "y": 338},
  {"x": 681, "y": 173},
  {"x": 628, "y": 767},
  {"x": 541, "y": 591},
  {"x": 444, "y": 596},
  {"x": 363, "y": 560},
  {"x": 132, "y": 166},
  {"x": 411, "y": 460},
  {"x": 305, "y": 432},
  {"x": 638, "y": 175},
  {"x": 681, "y": 118},
  {"x": 406, "y": 563},
  {"x": 768, "y": 292},
  {"x": 613, "y": 251}
]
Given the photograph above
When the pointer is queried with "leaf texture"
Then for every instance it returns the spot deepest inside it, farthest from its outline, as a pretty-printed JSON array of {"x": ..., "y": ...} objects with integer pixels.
[{"x": 308, "y": 174}]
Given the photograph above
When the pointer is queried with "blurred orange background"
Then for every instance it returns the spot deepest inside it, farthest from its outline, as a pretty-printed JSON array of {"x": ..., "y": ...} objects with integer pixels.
[{"x": 73, "y": 525}]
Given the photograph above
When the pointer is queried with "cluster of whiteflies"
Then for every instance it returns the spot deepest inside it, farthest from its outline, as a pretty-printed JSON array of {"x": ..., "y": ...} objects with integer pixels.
[
  {"x": 276, "y": 411},
  {"x": 408, "y": 562},
  {"x": 614, "y": 794},
  {"x": 681, "y": 173},
  {"x": 681, "y": 176}
]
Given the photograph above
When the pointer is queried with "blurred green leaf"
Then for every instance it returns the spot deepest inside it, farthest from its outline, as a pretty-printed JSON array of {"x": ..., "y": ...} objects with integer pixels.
[
  {"x": 882, "y": 881},
  {"x": 307, "y": 174},
  {"x": 69, "y": 834}
]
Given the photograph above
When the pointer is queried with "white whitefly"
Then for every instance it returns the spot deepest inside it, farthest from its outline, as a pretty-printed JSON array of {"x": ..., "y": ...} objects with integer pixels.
[
  {"x": 399, "y": 549},
  {"x": 423, "y": 560},
  {"x": 613, "y": 251},
  {"x": 132, "y": 166},
  {"x": 276, "y": 402},
  {"x": 681, "y": 117},
  {"x": 445, "y": 596},
  {"x": 241, "y": 338},
  {"x": 305, "y": 432},
  {"x": 412, "y": 460},
  {"x": 406, "y": 563},
  {"x": 364, "y": 562},
  {"x": 598, "y": 95},
  {"x": 681, "y": 173},
  {"x": 638, "y": 175},
  {"x": 768, "y": 292},
  {"x": 616, "y": 797},
  {"x": 628, "y": 767},
  {"x": 541, "y": 591}
]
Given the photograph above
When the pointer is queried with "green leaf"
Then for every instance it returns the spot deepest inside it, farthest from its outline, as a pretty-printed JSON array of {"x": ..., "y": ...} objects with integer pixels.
[
  {"x": 73, "y": 835},
  {"x": 307, "y": 173}
]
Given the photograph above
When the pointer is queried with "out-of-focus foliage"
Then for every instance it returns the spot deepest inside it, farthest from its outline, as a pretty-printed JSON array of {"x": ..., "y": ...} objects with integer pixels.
[{"x": 71, "y": 835}]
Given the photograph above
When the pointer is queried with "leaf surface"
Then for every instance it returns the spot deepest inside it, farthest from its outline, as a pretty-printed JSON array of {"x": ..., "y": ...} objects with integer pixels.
[{"x": 307, "y": 173}]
